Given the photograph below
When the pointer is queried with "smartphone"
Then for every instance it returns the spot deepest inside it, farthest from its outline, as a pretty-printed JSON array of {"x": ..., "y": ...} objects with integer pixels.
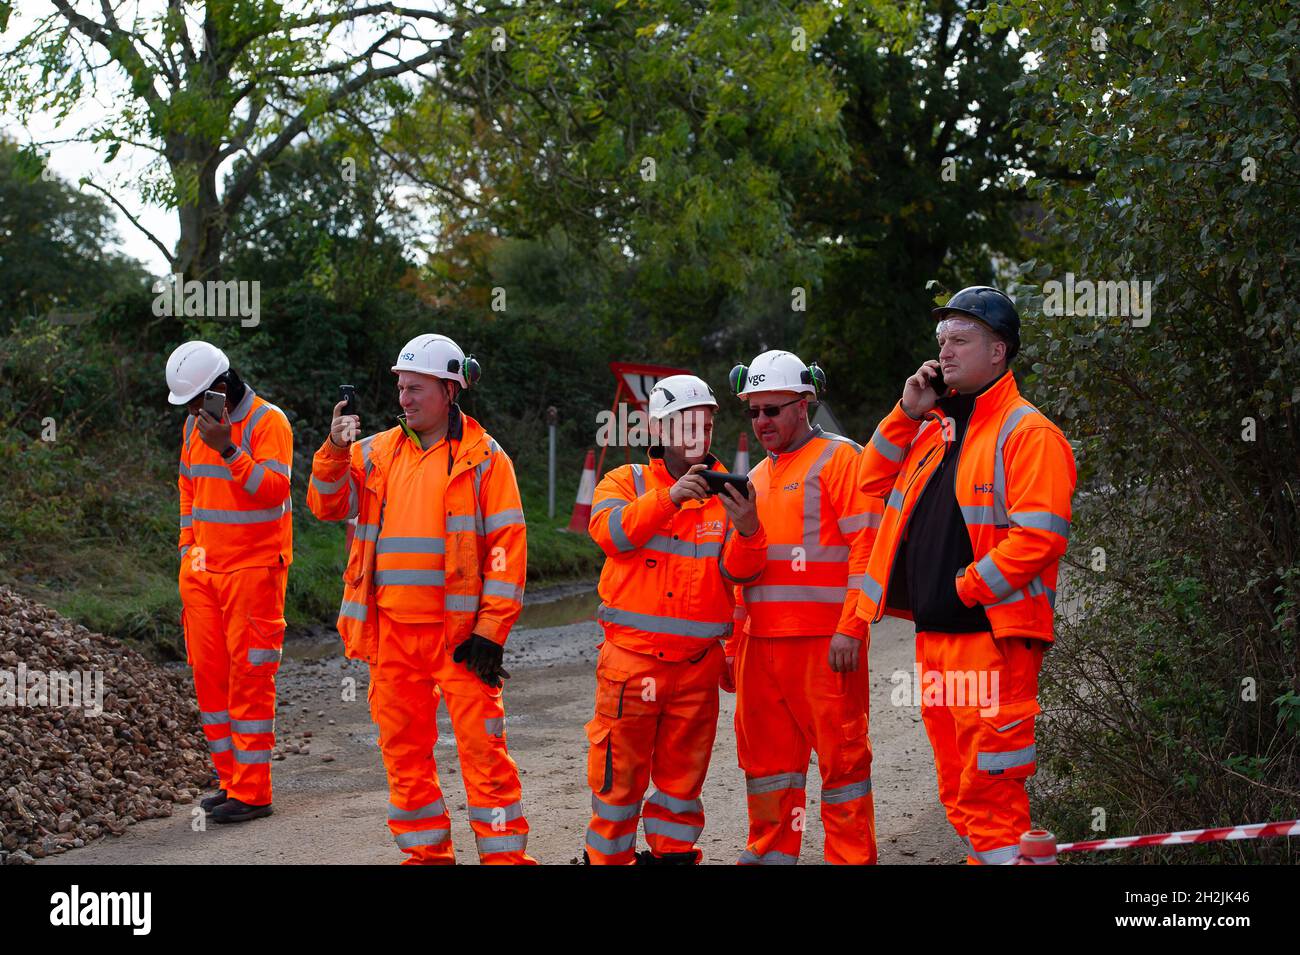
[
  {"x": 214, "y": 403},
  {"x": 937, "y": 383},
  {"x": 348, "y": 393},
  {"x": 717, "y": 480}
]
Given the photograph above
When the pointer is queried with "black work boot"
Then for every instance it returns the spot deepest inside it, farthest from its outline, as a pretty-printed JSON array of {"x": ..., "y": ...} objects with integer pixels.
[
  {"x": 647, "y": 857},
  {"x": 215, "y": 800},
  {"x": 232, "y": 810}
]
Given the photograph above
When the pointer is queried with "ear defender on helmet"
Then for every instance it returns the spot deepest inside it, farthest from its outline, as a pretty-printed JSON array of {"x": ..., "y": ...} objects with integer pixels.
[
  {"x": 472, "y": 371},
  {"x": 814, "y": 376},
  {"x": 737, "y": 378}
]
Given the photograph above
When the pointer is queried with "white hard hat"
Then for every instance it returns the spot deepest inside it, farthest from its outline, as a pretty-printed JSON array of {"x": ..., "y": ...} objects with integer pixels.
[
  {"x": 439, "y": 356},
  {"x": 192, "y": 369},
  {"x": 679, "y": 392},
  {"x": 777, "y": 371}
]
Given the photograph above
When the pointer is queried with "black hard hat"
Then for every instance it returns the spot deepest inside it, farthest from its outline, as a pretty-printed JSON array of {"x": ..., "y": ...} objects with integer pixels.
[{"x": 986, "y": 304}]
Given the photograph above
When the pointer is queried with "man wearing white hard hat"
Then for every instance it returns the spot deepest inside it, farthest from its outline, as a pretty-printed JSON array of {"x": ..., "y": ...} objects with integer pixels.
[
  {"x": 434, "y": 582},
  {"x": 800, "y": 659},
  {"x": 673, "y": 551},
  {"x": 236, "y": 545}
]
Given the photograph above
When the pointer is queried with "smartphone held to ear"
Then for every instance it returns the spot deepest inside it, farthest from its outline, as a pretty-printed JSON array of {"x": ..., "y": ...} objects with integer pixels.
[
  {"x": 937, "y": 383},
  {"x": 214, "y": 403}
]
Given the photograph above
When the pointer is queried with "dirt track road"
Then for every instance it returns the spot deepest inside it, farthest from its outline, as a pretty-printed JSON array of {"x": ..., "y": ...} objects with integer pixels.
[{"x": 333, "y": 811}]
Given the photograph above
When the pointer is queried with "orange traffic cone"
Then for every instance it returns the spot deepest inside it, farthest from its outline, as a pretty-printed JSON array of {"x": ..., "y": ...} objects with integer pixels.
[
  {"x": 742, "y": 456},
  {"x": 586, "y": 490}
]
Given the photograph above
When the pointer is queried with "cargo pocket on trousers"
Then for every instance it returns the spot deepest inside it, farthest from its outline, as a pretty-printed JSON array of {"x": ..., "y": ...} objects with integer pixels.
[
  {"x": 600, "y": 756},
  {"x": 611, "y": 684},
  {"x": 185, "y": 638},
  {"x": 265, "y": 645},
  {"x": 1007, "y": 748}
]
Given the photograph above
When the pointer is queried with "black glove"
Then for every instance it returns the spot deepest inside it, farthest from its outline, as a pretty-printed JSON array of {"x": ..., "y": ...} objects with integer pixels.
[{"x": 483, "y": 658}]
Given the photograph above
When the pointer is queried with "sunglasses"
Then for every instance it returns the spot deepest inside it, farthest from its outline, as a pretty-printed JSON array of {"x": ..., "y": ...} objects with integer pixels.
[{"x": 771, "y": 411}]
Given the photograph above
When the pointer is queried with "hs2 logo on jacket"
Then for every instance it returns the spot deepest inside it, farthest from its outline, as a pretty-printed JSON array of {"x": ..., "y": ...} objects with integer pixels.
[
  {"x": 710, "y": 529},
  {"x": 791, "y": 487}
]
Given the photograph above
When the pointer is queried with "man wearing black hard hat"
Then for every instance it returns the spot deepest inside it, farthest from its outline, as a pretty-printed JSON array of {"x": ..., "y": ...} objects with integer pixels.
[{"x": 978, "y": 485}]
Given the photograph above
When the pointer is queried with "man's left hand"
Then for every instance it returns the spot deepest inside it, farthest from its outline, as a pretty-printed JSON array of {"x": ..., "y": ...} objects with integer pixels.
[
  {"x": 741, "y": 509},
  {"x": 215, "y": 434},
  {"x": 843, "y": 653}
]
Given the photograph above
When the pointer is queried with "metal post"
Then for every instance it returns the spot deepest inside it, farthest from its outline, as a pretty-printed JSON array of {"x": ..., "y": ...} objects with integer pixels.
[{"x": 551, "y": 417}]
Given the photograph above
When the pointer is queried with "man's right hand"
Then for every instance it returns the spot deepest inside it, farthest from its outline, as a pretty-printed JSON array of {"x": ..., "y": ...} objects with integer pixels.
[
  {"x": 727, "y": 678},
  {"x": 689, "y": 487},
  {"x": 344, "y": 428},
  {"x": 918, "y": 396}
]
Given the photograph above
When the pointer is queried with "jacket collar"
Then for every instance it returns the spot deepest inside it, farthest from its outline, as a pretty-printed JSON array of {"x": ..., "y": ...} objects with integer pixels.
[
  {"x": 814, "y": 432},
  {"x": 463, "y": 433},
  {"x": 240, "y": 411},
  {"x": 998, "y": 394}
]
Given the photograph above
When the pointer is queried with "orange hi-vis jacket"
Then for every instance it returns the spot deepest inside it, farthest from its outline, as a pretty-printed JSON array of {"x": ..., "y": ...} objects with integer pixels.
[
  {"x": 238, "y": 510},
  {"x": 484, "y": 550},
  {"x": 820, "y": 528},
  {"x": 666, "y": 588},
  {"x": 1015, "y": 476}
]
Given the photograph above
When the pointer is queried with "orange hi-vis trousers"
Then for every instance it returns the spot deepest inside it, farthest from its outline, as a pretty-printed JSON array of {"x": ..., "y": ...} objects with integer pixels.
[
  {"x": 414, "y": 670},
  {"x": 655, "y": 721},
  {"x": 978, "y": 703},
  {"x": 788, "y": 703},
  {"x": 234, "y": 634}
]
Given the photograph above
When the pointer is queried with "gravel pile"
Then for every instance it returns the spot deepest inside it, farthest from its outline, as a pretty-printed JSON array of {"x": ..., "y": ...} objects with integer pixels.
[{"x": 67, "y": 775}]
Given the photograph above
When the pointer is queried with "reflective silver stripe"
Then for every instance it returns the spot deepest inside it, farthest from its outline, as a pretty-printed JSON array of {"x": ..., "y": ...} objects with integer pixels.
[
  {"x": 430, "y": 810},
  {"x": 757, "y": 785},
  {"x": 187, "y": 520},
  {"x": 999, "y": 464},
  {"x": 1042, "y": 521},
  {"x": 462, "y": 522},
  {"x": 190, "y": 422},
  {"x": 495, "y": 726},
  {"x": 354, "y": 503},
  {"x": 610, "y": 847},
  {"x": 496, "y": 814},
  {"x": 247, "y": 440},
  {"x": 240, "y": 410},
  {"x": 607, "y": 503},
  {"x": 424, "y": 837},
  {"x": 254, "y": 481},
  {"x": 638, "y": 480},
  {"x": 996, "y": 762},
  {"x": 411, "y": 545},
  {"x": 722, "y": 567},
  {"x": 329, "y": 487},
  {"x": 776, "y": 593},
  {"x": 277, "y": 467},
  {"x": 353, "y": 609},
  {"x": 857, "y": 522},
  {"x": 672, "y": 830},
  {"x": 978, "y": 514},
  {"x": 247, "y": 756},
  {"x": 366, "y": 532},
  {"x": 887, "y": 448},
  {"x": 258, "y": 657},
  {"x": 366, "y": 463},
  {"x": 223, "y": 745},
  {"x": 502, "y": 588},
  {"x": 673, "y": 804},
  {"x": 831, "y": 435},
  {"x": 818, "y": 553},
  {"x": 490, "y": 844},
  {"x": 670, "y": 625},
  {"x": 812, "y": 500},
  {"x": 465, "y": 603},
  {"x": 992, "y": 576},
  {"x": 185, "y": 471},
  {"x": 241, "y": 517},
  {"x": 510, "y": 518},
  {"x": 611, "y": 813},
  {"x": 768, "y": 858},
  {"x": 847, "y": 793},
  {"x": 1034, "y": 588},
  {"x": 895, "y": 500},
  {"x": 681, "y": 548},
  {"x": 409, "y": 578},
  {"x": 252, "y": 726},
  {"x": 997, "y": 856},
  {"x": 854, "y": 582},
  {"x": 219, "y": 471},
  {"x": 616, "y": 532},
  {"x": 872, "y": 588},
  {"x": 186, "y": 549}
]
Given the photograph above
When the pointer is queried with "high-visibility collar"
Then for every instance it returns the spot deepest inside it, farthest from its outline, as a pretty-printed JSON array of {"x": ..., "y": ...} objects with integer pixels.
[
  {"x": 994, "y": 395},
  {"x": 814, "y": 432},
  {"x": 455, "y": 432},
  {"x": 245, "y": 405}
]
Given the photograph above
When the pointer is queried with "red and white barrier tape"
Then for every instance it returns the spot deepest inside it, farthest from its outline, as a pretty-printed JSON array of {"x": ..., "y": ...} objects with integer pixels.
[{"x": 1262, "y": 830}]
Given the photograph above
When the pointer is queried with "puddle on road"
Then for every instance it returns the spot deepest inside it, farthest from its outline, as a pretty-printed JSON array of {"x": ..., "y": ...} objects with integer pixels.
[{"x": 575, "y": 604}]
